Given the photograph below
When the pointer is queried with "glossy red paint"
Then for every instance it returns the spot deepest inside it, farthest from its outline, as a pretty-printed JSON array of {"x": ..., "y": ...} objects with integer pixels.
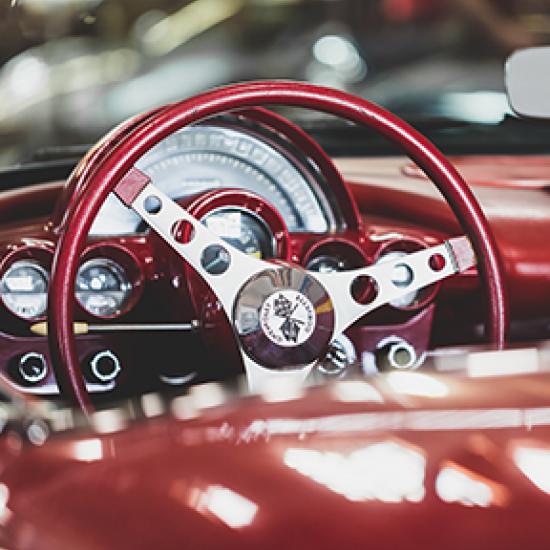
[
  {"x": 29, "y": 203},
  {"x": 498, "y": 172},
  {"x": 201, "y": 205},
  {"x": 518, "y": 217},
  {"x": 324, "y": 471},
  {"x": 101, "y": 182}
]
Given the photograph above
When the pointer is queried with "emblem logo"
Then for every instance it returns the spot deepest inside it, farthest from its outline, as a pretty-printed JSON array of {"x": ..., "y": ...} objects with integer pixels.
[{"x": 287, "y": 318}]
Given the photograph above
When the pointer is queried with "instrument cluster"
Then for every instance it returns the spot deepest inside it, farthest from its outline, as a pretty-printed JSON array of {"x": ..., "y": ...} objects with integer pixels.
[
  {"x": 267, "y": 190},
  {"x": 228, "y": 154},
  {"x": 108, "y": 282}
]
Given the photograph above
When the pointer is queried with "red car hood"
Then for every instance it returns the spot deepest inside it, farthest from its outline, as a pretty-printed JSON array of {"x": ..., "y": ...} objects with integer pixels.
[{"x": 404, "y": 461}]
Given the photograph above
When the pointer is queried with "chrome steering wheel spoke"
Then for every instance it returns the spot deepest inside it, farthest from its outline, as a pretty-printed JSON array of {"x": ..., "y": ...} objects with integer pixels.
[
  {"x": 285, "y": 317},
  {"x": 260, "y": 379},
  {"x": 223, "y": 267},
  {"x": 358, "y": 292}
]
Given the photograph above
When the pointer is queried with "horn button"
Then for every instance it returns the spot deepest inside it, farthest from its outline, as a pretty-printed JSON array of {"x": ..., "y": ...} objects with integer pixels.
[{"x": 284, "y": 318}]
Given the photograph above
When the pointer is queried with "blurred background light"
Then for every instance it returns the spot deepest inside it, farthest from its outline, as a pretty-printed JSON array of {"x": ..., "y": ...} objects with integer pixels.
[
  {"x": 483, "y": 107},
  {"x": 41, "y": 7},
  {"x": 5, "y": 512},
  {"x": 28, "y": 76},
  {"x": 338, "y": 61},
  {"x": 188, "y": 22}
]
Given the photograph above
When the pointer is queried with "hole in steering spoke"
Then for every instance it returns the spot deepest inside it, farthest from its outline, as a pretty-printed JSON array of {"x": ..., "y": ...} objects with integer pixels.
[
  {"x": 402, "y": 276},
  {"x": 183, "y": 231},
  {"x": 215, "y": 259},
  {"x": 152, "y": 204},
  {"x": 437, "y": 262},
  {"x": 364, "y": 290}
]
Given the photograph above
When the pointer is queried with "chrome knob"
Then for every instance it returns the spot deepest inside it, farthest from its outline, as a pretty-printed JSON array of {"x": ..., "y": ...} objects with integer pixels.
[
  {"x": 105, "y": 366},
  {"x": 33, "y": 367}
]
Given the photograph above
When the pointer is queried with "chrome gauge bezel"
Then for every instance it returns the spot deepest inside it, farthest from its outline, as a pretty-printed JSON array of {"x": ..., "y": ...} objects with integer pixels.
[
  {"x": 252, "y": 215},
  {"x": 29, "y": 264},
  {"x": 120, "y": 273}
]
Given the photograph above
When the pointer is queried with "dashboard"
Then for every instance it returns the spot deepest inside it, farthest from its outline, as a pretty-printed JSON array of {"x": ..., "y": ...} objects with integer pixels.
[
  {"x": 257, "y": 181},
  {"x": 266, "y": 188}
]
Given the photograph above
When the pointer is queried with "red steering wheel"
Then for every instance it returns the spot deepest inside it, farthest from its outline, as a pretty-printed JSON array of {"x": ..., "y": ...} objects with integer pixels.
[{"x": 324, "y": 304}]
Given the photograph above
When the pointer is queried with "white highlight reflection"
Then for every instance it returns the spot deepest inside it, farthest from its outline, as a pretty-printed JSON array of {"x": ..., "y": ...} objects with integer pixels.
[
  {"x": 233, "y": 509},
  {"x": 535, "y": 465},
  {"x": 385, "y": 471},
  {"x": 503, "y": 363},
  {"x": 355, "y": 391},
  {"x": 87, "y": 450},
  {"x": 5, "y": 512},
  {"x": 458, "y": 485},
  {"x": 415, "y": 383},
  {"x": 280, "y": 390}
]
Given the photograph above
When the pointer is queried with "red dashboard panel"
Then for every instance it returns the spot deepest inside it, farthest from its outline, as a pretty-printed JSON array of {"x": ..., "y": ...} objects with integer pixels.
[{"x": 499, "y": 172}]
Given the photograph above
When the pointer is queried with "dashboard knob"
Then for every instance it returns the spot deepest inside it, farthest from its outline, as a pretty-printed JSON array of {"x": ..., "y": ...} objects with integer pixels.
[
  {"x": 104, "y": 366},
  {"x": 396, "y": 355},
  {"x": 33, "y": 367},
  {"x": 340, "y": 356}
]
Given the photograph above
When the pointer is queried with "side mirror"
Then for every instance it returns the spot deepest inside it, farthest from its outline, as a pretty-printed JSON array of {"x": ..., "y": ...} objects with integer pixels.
[{"x": 528, "y": 82}]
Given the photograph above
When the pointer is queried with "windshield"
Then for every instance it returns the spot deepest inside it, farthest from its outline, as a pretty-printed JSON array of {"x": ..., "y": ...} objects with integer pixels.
[{"x": 72, "y": 69}]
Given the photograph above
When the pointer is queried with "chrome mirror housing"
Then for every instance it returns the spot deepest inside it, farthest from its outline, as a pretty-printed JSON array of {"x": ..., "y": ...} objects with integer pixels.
[{"x": 528, "y": 82}]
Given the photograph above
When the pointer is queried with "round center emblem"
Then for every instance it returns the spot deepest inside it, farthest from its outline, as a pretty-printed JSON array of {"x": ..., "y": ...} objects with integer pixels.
[{"x": 287, "y": 318}]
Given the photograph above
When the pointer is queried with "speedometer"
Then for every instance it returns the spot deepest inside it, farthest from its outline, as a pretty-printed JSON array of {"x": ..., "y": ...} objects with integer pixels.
[
  {"x": 243, "y": 230},
  {"x": 206, "y": 157}
]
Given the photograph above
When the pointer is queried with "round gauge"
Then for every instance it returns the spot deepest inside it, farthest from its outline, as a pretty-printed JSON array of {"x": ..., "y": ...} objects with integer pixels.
[
  {"x": 243, "y": 230},
  {"x": 203, "y": 158},
  {"x": 102, "y": 287},
  {"x": 24, "y": 289},
  {"x": 331, "y": 255}
]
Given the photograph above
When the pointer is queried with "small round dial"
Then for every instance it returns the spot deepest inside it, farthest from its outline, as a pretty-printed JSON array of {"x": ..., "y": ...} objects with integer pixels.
[
  {"x": 24, "y": 289},
  {"x": 243, "y": 230},
  {"x": 102, "y": 287}
]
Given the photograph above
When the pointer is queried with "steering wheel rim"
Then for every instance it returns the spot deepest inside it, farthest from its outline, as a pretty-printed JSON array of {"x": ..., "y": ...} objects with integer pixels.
[{"x": 103, "y": 178}]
